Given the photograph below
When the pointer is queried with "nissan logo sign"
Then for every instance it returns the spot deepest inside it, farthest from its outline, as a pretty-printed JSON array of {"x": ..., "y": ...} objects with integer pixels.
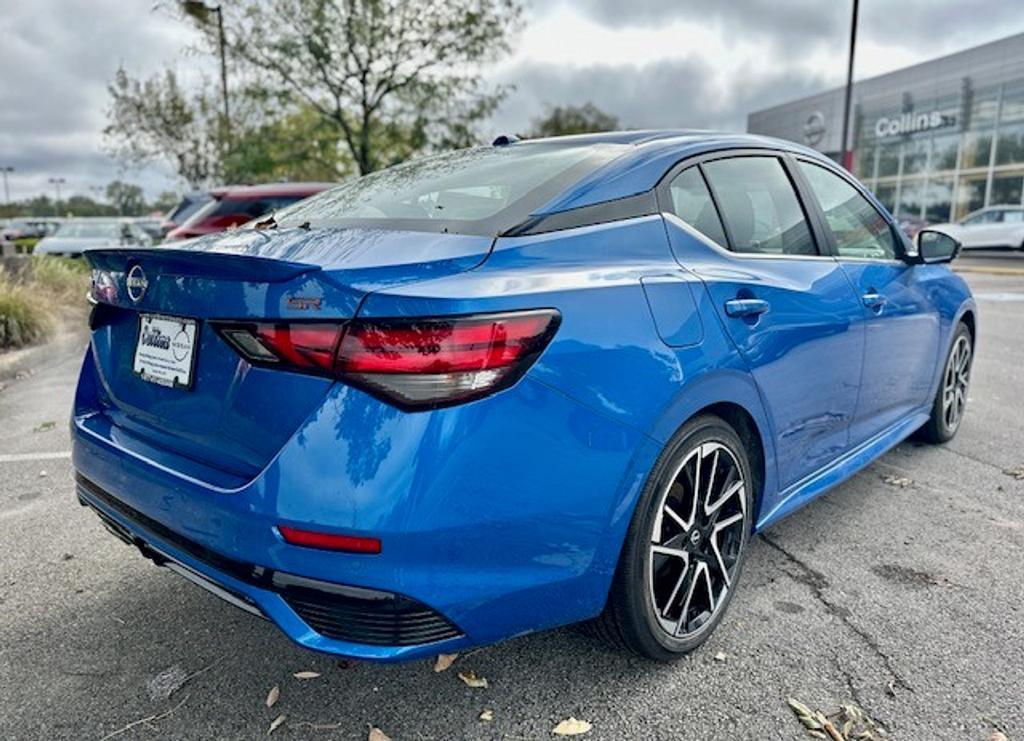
[
  {"x": 136, "y": 283},
  {"x": 910, "y": 123},
  {"x": 814, "y": 128}
]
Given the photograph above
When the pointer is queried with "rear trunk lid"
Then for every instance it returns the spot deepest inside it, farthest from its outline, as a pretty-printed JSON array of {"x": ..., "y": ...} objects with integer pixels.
[{"x": 231, "y": 417}]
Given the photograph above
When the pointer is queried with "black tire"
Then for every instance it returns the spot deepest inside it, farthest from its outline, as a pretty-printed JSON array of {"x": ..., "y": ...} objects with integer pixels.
[
  {"x": 631, "y": 620},
  {"x": 941, "y": 425}
]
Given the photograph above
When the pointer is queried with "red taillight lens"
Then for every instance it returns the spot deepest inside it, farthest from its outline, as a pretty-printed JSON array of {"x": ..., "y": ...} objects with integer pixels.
[
  {"x": 329, "y": 541},
  {"x": 412, "y": 363}
]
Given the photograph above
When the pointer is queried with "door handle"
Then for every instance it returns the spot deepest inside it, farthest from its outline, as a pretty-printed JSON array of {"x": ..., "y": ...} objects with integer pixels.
[
  {"x": 874, "y": 300},
  {"x": 746, "y": 307}
]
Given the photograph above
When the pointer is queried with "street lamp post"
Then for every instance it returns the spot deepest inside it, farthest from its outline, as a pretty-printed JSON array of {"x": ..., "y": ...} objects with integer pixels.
[
  {"x": 844, "y": 145},
  {"x": 7, "y": 192},
  {"x": 201, "y": 12},
  {"x": 57, "y": 182}
]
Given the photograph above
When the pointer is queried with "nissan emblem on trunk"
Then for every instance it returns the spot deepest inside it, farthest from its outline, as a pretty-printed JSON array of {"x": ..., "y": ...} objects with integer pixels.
[{"x": 136, "y": 283}]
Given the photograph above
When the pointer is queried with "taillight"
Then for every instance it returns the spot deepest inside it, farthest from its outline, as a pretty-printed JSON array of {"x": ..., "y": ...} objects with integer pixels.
[
  {"x": 103, "y": 287},
  {"x": 421, "y": 363}
]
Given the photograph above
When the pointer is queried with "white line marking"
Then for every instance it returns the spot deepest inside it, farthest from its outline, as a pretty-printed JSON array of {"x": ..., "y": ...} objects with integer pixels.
[{"x": 21, "y": 457}]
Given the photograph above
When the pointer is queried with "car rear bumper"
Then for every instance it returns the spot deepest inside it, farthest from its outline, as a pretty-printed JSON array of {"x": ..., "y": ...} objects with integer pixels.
[
  {"x": 323, "y": 616},
  {"x": 496, "y": 518}
]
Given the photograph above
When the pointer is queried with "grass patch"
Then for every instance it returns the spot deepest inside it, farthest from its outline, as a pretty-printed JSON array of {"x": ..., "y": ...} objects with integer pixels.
[
  {"x": 22, "y": 319},
  {"x": 59, "y": 277},
  {"x": 43, "y": 289}
]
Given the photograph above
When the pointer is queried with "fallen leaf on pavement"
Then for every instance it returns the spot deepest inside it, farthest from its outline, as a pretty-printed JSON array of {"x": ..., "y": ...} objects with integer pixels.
[
  {"x": 487, "y": 715},
  {"x": 273, "y": 695},
  {"x": 377, "y": 734},
  {"x": 306, "y": 675},
  {"x": 720, "y": 656},
  {"x": 571, "y": 727},
  {"x": 44, "y": 427},
  {"x": 1015, "y": 473},
  {"x": 900, "y": 482},
  {"x": 851, "y": 719},
  {"x": 471, "y": 679},
  {"x": 275, "y": 724},
  {"x": 444, "y": 661}
]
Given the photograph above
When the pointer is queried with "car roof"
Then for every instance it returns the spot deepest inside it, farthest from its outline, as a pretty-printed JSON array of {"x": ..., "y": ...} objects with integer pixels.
[
  {"x": 267, "y": 190},
  {"x": 647, "y": 157}
]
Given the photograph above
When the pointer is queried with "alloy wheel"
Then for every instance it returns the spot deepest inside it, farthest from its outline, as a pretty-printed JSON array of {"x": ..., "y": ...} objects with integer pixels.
[
  {"x": 696, "y": 539},
  {"x": 955, "y": 383}
]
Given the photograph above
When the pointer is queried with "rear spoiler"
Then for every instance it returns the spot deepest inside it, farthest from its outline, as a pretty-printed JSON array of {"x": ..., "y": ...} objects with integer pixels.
[{"x": 199, "y": 263}]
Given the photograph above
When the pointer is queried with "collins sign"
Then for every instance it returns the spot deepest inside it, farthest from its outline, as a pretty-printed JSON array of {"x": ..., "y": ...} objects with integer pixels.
[{"x": 911, "y": 123}]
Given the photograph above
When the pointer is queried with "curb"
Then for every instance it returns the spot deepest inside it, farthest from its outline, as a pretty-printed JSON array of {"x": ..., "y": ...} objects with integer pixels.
[
  {"x": 988, "y": 271},
  {"x": 23, "y": 359}
]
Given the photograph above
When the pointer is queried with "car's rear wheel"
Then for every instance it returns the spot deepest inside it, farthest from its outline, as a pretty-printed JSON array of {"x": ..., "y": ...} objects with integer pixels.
[
  {"x": 951, "y": 398},
  {"x": 685, "y": 546}
]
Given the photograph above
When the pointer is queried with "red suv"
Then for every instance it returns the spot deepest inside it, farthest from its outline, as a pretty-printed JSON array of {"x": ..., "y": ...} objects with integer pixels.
[{"x": 236, "y": 204}]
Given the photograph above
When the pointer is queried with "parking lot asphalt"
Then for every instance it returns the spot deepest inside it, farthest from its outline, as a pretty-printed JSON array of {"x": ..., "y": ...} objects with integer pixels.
[{"x": 901, "y": 591}]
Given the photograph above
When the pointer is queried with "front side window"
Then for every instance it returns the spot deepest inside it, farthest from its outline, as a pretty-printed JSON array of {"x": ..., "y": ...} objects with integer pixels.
[
  {"x": 759, "y": 206},
  {"x": 691, "y": 202},
  {"x": 859, "y": 229}
]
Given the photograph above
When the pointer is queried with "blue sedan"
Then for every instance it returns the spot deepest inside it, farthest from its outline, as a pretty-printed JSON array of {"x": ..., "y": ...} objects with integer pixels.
[{"x": 513, "y": 387}]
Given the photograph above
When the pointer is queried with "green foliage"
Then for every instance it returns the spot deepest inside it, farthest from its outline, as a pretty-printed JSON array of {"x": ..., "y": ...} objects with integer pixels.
[
  {"x": 568, "y": 119},
  {"x": 155, "y": 118},
  {"x": 301, "y": 145},
  {"x": 23, "y": 320},
  {"x": 60, "y": 277},
  {"x": 126, "y": 199}
]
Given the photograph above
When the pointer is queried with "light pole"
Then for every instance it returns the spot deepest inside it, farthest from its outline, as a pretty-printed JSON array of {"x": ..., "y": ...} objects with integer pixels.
[
  {"x": 201, "y": 12},
  {"x": 57, "y": 182},
  {"x": 7, "y": 192},
  {"x": 845, "y": 144}
]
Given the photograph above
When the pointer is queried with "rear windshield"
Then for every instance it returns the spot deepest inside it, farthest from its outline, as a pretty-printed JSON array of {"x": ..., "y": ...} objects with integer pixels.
[
  {"x": 188, "y": 206},
  {"x": 485, "y": 190}
]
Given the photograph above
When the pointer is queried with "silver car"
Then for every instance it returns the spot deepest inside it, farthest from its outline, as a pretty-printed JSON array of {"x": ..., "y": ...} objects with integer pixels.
[
  {"x": 995, "y": 226},
  {"x": 75, "y": 236}
]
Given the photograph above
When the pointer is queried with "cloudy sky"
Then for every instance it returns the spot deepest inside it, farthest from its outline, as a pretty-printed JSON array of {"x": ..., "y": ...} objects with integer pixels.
[{"x": 652, "y": 63}]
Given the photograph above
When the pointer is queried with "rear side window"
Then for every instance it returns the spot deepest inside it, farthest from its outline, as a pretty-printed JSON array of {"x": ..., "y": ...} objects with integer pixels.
[
  {"x": 1013, "y": 217},
  {"x": 759, "y": 206},
  {"x": 691, "y": 202},
  {"x": 859, "y": 229}
]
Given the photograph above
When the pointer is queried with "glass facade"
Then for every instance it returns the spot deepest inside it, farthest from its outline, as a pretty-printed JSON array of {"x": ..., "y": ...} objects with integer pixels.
[{"x": 934, "y": 141}]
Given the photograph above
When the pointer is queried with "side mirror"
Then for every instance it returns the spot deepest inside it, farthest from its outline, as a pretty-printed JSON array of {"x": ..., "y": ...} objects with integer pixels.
[{"x": 933, "y": 247}]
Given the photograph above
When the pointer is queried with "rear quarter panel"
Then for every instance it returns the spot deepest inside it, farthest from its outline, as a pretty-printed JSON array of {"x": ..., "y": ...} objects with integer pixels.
[{"x": 607, "y": 355}]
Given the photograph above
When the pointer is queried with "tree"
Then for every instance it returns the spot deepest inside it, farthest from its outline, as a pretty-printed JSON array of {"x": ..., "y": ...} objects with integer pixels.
[
  {"x": 568, "y": 119},
  {"x": 127, "y": 199},
  {"x": 301, "y": 145},
  {"x": 165, "y": 201},
  {"x": 393, "y": 76},
  {"x": 156, "y": 119}
]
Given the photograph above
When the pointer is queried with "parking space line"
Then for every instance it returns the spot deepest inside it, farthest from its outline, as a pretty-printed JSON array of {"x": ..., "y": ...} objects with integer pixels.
[{"x": 21, "y": 457}]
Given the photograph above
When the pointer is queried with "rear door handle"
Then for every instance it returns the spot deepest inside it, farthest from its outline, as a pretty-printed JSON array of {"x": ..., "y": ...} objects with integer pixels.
[
  {"x": 746, "y": 307},
  {"x": 874, "y": 300}
]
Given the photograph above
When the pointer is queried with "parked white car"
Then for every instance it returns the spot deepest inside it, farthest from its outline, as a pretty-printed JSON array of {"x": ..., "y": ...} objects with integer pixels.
[
  {"x": 995, "y": 226},
  {"x": 77, "y": 235}
]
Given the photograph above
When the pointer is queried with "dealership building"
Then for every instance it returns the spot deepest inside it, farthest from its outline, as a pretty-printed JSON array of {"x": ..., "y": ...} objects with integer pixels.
[{"x": 934, "y": 141}]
